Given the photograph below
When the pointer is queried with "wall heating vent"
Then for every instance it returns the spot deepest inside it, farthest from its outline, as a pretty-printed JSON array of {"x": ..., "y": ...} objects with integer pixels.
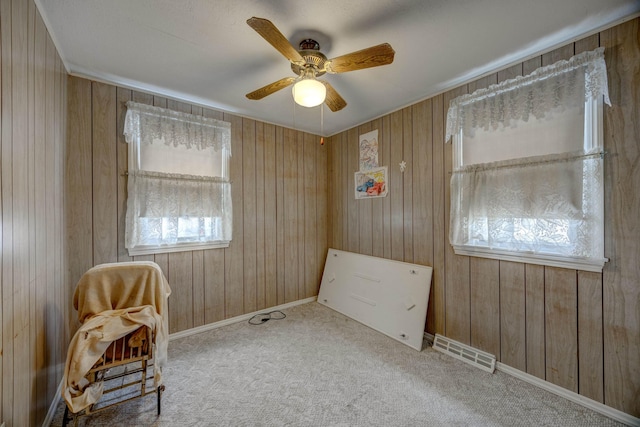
[{"x": 477, "y": 358}]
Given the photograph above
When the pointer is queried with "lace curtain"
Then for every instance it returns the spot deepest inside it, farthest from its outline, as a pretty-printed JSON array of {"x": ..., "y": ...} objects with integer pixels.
[
  {"x": 173, "y": 209},
  {"x": 550, "y": 206},
  {"x": 564, "y": 84},
  {"x": 545, "y": 209},
  {"x": 148, "y": 124}
]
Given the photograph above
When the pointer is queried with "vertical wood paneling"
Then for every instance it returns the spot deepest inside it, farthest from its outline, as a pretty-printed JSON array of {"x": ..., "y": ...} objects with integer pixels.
[
  {"x": 33, "y": 310},
  {"x": 590, "y": 344},
  {"x": 214, "y": 289},
  {"x": 310, "y": 224},
  {"x": 485, "y": 304},
  {"x": 53, "y": 316},
  {"x": 260, "y": 218},
  {"x": 281, "y": 254},
  {"x": 32, "y": 324},
  {"x": 353, "y": 165},
  {"x": 105, "y": 173},
  {"x": 513, "y": 315},
  {"x": 270, "y": 219},
  {"x": 422, "y": 178},
  {"x": 300, "y": 241},
  {"x": 440, "y": 238},
  {"x": 78, "y": 180},
  {"x": 396, "y": 192},
  {"x": 621, "y": 292},
  {"x": 534, "y": 311},
  {"x": 20, "y": 207},
  {"x": 6, "y": 356},
  {"x": 347, "y": 193},
  {"x": 364, "y": 209},
  {"x": 385, "y": 138},
  {"x": 41, "y": 221},
  {"x": 334, "y": 221},
  {"x": 407, "y": 184},
  {"x": 248, "y": 200},
  {"x": 561, "y": 329},
  {"x": 322, "y": 211},
  {"x": 377, "y": 220},
  {"x": 291, "y": 237},
  {"x": 180, "y": 278},
  {"x": 198, "y": 291}
]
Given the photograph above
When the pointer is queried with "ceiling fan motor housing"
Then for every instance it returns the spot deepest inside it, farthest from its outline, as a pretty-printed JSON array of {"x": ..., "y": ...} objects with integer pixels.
[{"x": 310, "y": 51}]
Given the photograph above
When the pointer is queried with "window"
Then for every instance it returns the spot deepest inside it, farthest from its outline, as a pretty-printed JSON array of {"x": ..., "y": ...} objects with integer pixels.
[
  {"x": 179, "y": 194},
  {"x": 527, "y": 181}
]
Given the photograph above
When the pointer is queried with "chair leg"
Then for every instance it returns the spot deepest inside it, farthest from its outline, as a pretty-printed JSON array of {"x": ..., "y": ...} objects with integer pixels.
[
  {"x": 159, "y": 391},
  {"x": 65, "y": 416}
]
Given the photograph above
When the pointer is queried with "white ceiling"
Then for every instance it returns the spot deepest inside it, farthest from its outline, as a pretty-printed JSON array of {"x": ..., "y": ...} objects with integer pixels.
[{"x": 203, "y": 52}]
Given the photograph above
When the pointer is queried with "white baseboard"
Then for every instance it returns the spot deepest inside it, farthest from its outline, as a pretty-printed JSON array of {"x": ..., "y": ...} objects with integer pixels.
[
  {"x": 562, "y": 392},
  {"x": 429, "y": 337},
  {"x": 53, "y": 407},
  {"x": 570, "y": 395},
  {"x": 241, "y": 318}
]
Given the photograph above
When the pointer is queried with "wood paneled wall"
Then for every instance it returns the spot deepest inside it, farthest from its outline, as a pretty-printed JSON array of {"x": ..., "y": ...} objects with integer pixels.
[
  {"x": 576, "y": 329},
  {"x": 279, "y": 193},
  {"x": 34, "y": 295}
]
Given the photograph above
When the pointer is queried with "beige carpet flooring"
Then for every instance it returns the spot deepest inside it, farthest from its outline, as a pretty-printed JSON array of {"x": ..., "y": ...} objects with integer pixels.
[{"x": 317, "y": 367}]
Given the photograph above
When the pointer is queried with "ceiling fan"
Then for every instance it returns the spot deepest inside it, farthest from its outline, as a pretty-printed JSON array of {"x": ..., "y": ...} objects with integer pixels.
[{"x": 308, "y": 63}]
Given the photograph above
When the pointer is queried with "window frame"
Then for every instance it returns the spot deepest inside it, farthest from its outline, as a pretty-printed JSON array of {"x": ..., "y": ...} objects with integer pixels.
[
  {"x": 134, "y": 162},
  {"x": 593, "y": 139}
]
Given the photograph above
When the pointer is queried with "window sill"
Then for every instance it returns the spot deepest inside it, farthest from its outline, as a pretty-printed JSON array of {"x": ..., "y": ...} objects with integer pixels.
[
  {"x": 184, "y": 247},
  {"x": 595, "y": 265}
]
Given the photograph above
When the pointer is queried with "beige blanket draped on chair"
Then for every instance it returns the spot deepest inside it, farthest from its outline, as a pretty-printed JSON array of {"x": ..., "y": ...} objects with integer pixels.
[{"x": 113, "y": 300}]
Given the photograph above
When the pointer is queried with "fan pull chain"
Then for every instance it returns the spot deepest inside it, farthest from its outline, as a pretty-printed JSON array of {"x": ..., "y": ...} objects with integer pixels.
[
  {"x": 321, "y": 124},
  {"x": 294, "y": 111}
]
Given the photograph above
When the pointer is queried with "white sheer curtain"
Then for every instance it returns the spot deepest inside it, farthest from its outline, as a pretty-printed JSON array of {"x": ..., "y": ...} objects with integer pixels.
[
  {"x": 550, "y": 89},
  {"x": 167, "y": 209},
  {"x": 542, "y": 201}
]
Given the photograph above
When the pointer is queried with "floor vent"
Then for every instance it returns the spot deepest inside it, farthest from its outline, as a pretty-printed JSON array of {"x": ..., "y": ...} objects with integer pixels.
[{"x": 477, "y": 358}]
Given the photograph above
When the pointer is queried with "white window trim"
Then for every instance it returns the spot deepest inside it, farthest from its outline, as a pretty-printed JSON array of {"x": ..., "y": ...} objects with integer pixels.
[{"x": 178, "y": 247}]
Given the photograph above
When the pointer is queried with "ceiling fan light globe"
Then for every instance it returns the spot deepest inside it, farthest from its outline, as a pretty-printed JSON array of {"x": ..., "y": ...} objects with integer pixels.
[{"x": 309, "y": 93}]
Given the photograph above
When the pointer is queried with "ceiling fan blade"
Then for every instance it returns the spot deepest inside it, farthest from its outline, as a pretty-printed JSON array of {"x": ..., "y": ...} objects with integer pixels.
[
  {"x": 374, "y": 56},
  {"x": 270, "y": 33},
  {"x": 333, "y": 100},
  {"x": 271, "y": 88}
]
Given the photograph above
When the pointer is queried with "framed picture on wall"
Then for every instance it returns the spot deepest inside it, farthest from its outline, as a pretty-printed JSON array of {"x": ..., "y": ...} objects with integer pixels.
[{"x": 371, "y": 183}]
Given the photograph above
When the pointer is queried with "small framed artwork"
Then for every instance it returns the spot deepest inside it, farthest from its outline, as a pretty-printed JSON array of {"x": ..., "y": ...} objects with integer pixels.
[{"x": 371, "y": 183}]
